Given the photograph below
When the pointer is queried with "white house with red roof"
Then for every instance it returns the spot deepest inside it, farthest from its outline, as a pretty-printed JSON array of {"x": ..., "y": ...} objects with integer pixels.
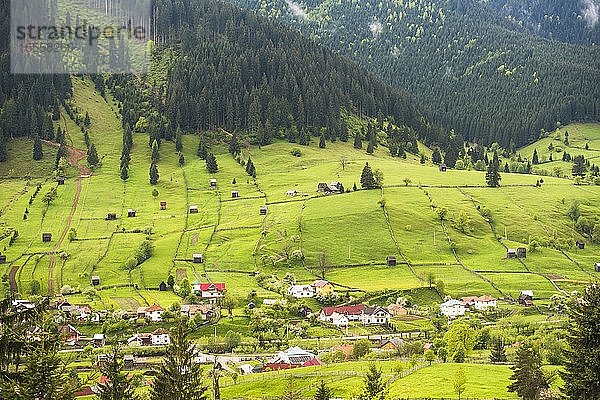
[
  {"x": 209, "y": 291},
  {"x": 480, "y": 303},
  {"x": 152, "y": 313},
  {"x": 341, "y": 315},
  {"x": 301, "y": 291},
  {"x": 160, "y": 337}
]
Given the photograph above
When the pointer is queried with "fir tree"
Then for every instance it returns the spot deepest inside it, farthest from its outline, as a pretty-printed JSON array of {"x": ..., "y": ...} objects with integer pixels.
[
  {"x": 211, "y": 163},
  {"x": 250, "y": 168},
  {"x": 86, "y": 120},
  {"x": 60, "y": 136},
  {"x": 3, "y": 156},
  {"x": 422, "y": 160},
  {"x": 92, "y": 156},
  {"x": 492, "y": 176},
  {"x": 436, "y": 157},
  {"x": 181, "y": 159},
  {"x": 566, "y": 138},
  {"x": 367, "y": 180},
  {"x": 582, "y": 365},
  {"x": 178, "y": 140},
  {"x": 323, "y": 392},
  {"x": 118, "y": 386},
  {"x": 498, "y": 353},
  {"x": 450, "y": 157},
  {"x": 357, "y": 141},
  {"x": 234, "y": 146},
  {"x": 179, "y": 376},
  {"x": 38, "y": 153},
  {"x": 528, "y": 378},
  {"x": 370, "y": 148},
  {"x": 154, "y": 174},
  {"x": 61, "y": 153},
  {"x": 579, "y": 167},
  {"x": 124, "y": 173},
  {"x": 155, "y": 152},
  {"x": 202, "y": 149},
  {"x": 506, "y": 168},
  {"x": 322, "y": 141},
  {"x": 374, "y": 386},
  {"x": 534, "y": 159}
]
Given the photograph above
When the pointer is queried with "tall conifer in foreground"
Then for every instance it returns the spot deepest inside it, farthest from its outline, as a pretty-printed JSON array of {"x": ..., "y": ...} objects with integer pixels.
[{"x": 492, "y": 176}]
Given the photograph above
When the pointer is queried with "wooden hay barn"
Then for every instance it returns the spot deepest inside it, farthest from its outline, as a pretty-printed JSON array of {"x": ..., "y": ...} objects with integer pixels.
[
  {"x": 2, "y": 258},
  {"x": 60, "y": 180},
  {"x": 580, "y": 244},
  {"x": 598, "y": 267},
  {"x": 131, "y": 213},
  {"x": 197, "y": 258},
  {"x": 162, "y": 287},
  {"x": 522, "y": 252},
  {"x": 111, "y": 216},
  {"x": 193, "y": 209},
  {"x": 213, "y": 183},
  {"x": 235, "y": 194},
  {"x": 95, "y": 280},
  {"x": 263, "y": 210},
  {"x": 443, "y": 168},
  {"x": 163, "y": 205},
  {"x": 391, "y": 261},
  {"x": 511, "y": 253},
  {"x": 46, "y": 237}
]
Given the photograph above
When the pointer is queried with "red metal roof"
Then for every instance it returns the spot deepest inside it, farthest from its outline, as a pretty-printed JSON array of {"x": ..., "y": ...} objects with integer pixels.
[
  {"x": 356, "y": 309},
  {"x": 205, "y": 287}
]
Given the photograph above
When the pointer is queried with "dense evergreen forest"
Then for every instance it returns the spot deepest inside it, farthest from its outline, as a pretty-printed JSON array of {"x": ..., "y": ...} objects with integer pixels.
[{"x": 470, "y": 68}]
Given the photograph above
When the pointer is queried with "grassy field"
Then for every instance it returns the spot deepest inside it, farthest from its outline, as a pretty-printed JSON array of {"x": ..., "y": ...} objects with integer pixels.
[{"x": 352, "y": 229}]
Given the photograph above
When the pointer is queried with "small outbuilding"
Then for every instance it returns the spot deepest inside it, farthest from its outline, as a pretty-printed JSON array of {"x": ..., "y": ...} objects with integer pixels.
[
  {"x": 162, "y": 286},
  {"x": 111, "y": 216},
  {"x": 391, "y": 261},
  {"x": 213, "y": 183},
  {"x": 580, "y": 244},
  {"x": 46, "y": 237},
  {"x": 128, "y": 361},
  {"x": 291, "y": 193},
  {"x": 511, "y": 253},
  {"x": 95, "y": 280},
  {"x": 131, "y": 213},
  {"x": 235, "y": 194},
  {"x": 163, "y": 205},
  {"x": 443, "y": 168},
  {"x": 193, "y": 209},
  {"x": 2, "y": 258},
  {"x": 61, "y": 180},
  {"x": 598, "y": 267},
  {"x": 197, "y": 258},
  {"x": 263, "y": 210},
  {"x": 522, "y": 252}
]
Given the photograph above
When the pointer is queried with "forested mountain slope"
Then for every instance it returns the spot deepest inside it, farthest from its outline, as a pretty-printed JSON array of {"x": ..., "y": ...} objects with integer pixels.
[{"x": 473, "y": 69}]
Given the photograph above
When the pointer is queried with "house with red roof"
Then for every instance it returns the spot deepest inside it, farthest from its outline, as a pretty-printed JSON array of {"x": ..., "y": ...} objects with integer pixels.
[
  {"x": 152, "y": 313},
  {"x": 480, "y": 303},
  {"x": 294, "y": 357},
  {"x": 69, "y": 334},
  {"x": 340, "y": 315},
  {"x": 209, "y": 291}
]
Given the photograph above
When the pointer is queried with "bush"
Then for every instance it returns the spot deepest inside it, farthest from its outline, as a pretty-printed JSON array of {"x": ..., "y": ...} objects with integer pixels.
[{"x": 296, "y": 152}]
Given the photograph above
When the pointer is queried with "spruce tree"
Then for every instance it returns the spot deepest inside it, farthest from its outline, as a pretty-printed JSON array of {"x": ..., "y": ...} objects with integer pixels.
[
  {"x": 234, "y": 146},
  {"x": 528, "y": 378},
  {"x": 250, "y": 169},
  {"x": 370, "y": 148},
  {"x": 367, "y": 180},
  {"x": 61, "y": 153},
  {"x": 3, "y": 156},
  {"x": 323, "y": 392},
  {"x": 154, "y": 174},
  {"x": 179, "y": 376},
  {"x": 118, "y": 386},
  {"x": 357, "y": 141},
  {"x": 506, "y": 167},
  {"x": 436, "y": 156},
  {"x": 124, "y": 173},
  {"x": 38, "y": 153},
  {"x": 155, "y": 152},
  {"x": 178, "y": 140},
  {"x": 322, "y": 142},
  {"x": 579, "y": 167},
  {"x": 202, "y": 149},
  {"x": 535, "y": 159},
  {"x": 450, "y": 157},
  {"x": 374, "y": 387},
  {"x": 492, "y": 176},
  {"x": 498, "y": 353},
  {"x": 92, "y": 156},
  {"x": 181, "y": 159},
  {"x": 211, "y": 163},
  {"x": 86, "y": 120},
  {"x": 582, "y": 364},
  {"x": 60, "y": 136}
]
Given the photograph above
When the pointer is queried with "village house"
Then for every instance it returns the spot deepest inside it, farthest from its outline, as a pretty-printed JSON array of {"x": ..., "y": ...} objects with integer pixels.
[
  {"x": 339, "y": 320},
  {"x": 345, "y": 349},
  {"x": 453, "y": 308},
  {"x": 352, "y": 313},
  {"x": 193, "y": 209},
  {"x": 95, "y": 280},
  {"x": 293, "y": 357},
  {"x": 162, "y": 286},
  {"x": 263, "y": 210},
  {"x": 23, "y": 305},
  {"x": 191, "y": 310},
  {"x": 301, "y": 291},
  {"x": 323, "y": 288},
  {"x": 332, "y": 188},
  {"x": 197, "y": 258},
  {"x": 479, "y": 303},
  {"x": 69, "y": 334},
  {"x": 46, "y": 237},
  {"x": 152, "y": 313},
  {"x": 391, "y": 261},
  {"x": 375, "y": 316},
  {"x": 245, "y": 369},
  {"x": 580, "y": 244},
  {"x": 140, "y": 339},
  {"x": 160, "y": 337},
  {"x": 393, "y": 344},
  {"x": 209, "y": 291},
  {"x": 526, "y": 298},
  {"x": 111, "y": 216},
  {"x": 213, "y": 183},
  {"x": 396, "y": 310},
  {"x": 511, "y": 253},
  {"x": 163, "y": 205},
  {"x": 341, "y": 315}
]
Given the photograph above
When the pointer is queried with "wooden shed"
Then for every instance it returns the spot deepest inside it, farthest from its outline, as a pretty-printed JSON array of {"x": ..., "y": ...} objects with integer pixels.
[
  {"x": 131, "y": 213},
  {"x": 598, "y": 267},
  {"x": 580, "y": 244},
  {"x": 111, "y": 216},
  {"x": 522, "y": 252},
  {"x": 443, "y": 168},
  {"x": 61, "y": 180},
  {"x": 2, "y": 258},
  {"x": 235, "y": 194},
  {"x": 511, "y": 253},
  {"x": 391, "y": 261},
  {"x": 213, "y": 182},
  {"x": 95, "y": 280},
  {"x": 197, "y": 258},
  {"x": 263, "y": 210},
  {"x": 162, "y": 286},
  {"x": 193, "y": 209},
  {"x": 46, "y": 237},
  {"x": 163, "y": 205},
  {"x": 128, "y": 361}
]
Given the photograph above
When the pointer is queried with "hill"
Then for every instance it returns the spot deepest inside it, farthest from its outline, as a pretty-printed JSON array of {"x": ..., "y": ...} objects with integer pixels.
[{"x": 469, "y": 68}]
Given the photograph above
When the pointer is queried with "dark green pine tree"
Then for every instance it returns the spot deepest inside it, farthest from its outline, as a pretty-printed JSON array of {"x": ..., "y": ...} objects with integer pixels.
[
  {"x": 48, "y": 129},
  {"x": 178, "y": 140},
  {"x": 322, "y": 141},
  {"x": 498, "y": 353},
  {"x": 566, "y": 138},
  {"x": 124, "y": 172},
  {"x": 202, "y": 149},
  {"x": 506, "y": 168},
  {"x": 579, "y": 167},
  {"x": 154, "y": 174},
  {"x": 211, "y": 163},
  {"x": 118, "y": 386},
  {"x": 61, "y": 153},
  {"x": 528, "y": 378},
  {"x": 357, "y": 141},
  {"x": 179, "y": 376},
  {"x": 250, "y": 168},
  {"x": 436, "y": 156},
  {"x": 492, "y": 176},
  {"x": 367, "y": 180},
  {"x": 450, "y": 157},
  {"x": 582, "y": 359},
  {"x": 234, "y": 146},
  {"x": 323, "y": 392},
  {"x": 38, "y": 153},
  {"x": 86, "y": 120},
  {"x": 155, "y": 152},
  {"x": 374, "y": 387},
  {"x": 535, "y": 159},
  {"x": 422, "y": 160},
  {"x": 370, "y": 148},
  {"x": 3, "y": 156},
  {"x": 92, "y": 156},
  {"x": 181, "y": 159},
  {"x": 60, "y": 136}
]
